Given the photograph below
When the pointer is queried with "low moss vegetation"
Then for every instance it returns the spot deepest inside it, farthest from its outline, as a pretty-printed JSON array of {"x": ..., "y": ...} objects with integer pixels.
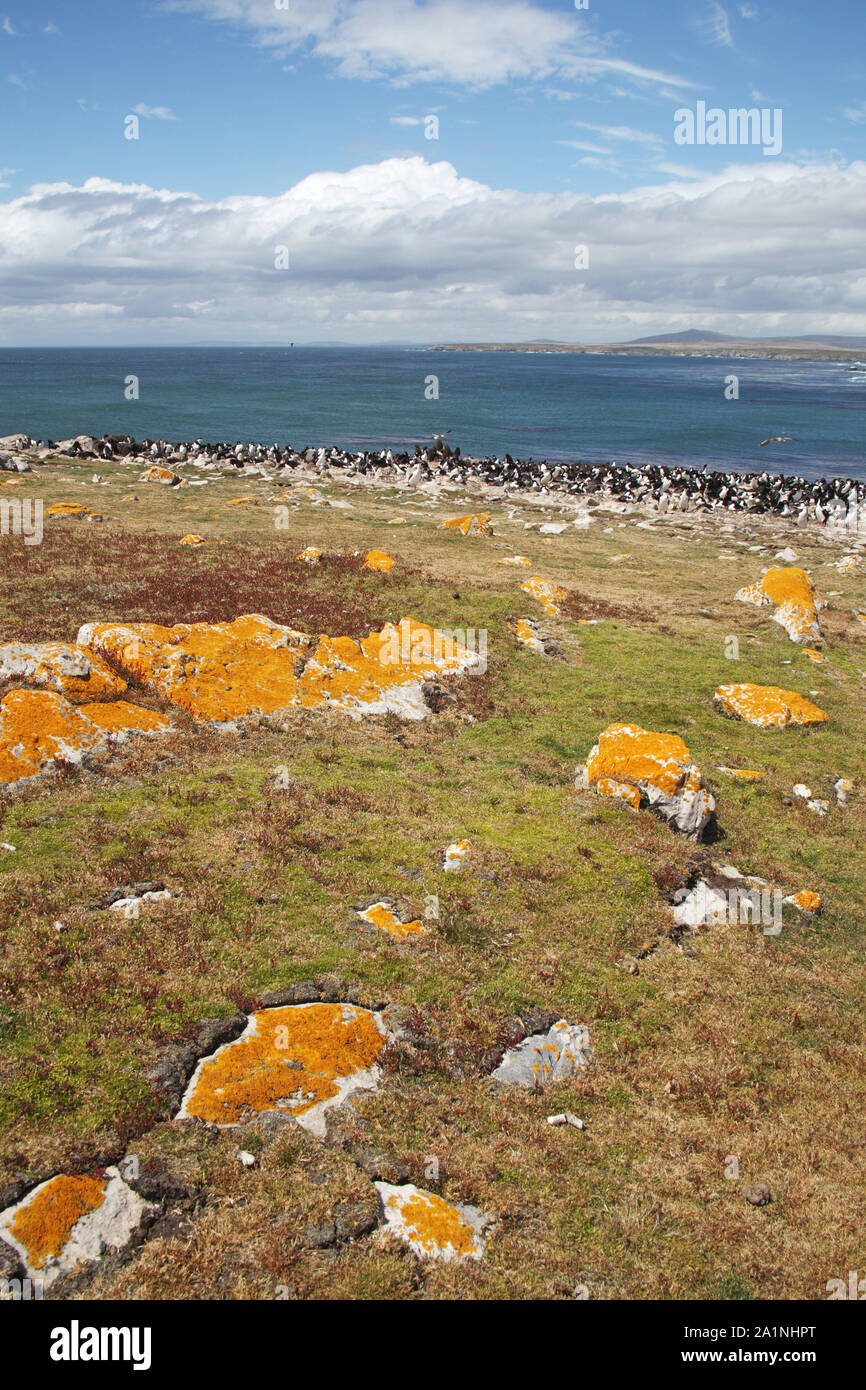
[{"x": 723, "y": 1052}]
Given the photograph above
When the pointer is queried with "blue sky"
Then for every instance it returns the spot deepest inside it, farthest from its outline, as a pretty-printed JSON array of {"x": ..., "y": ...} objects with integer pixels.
[{"x": 556, "y": 126}]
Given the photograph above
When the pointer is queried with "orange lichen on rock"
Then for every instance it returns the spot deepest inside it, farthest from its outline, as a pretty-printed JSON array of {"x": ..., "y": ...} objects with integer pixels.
[
  {"x": 527, "y": 635},
  {"x": 157, "y": 474},
  {"x": 656, "y": 766},
  {"x": 296, "y": 1059},
  {"x": 62, "y": 666},
  {"x": 382, "y": 916},
  {"x": 122, "y": 717},
  {"x": 550, "y": 595},
  {"x": 429, "y": 1225},
  {"x": 477, "y": 524},
  {"x": 253, "y": 666},
  {"x": 520, "y": 560},
  {"x": 39, "y": 728},
  {"x": 623, "y": 791},
  {"x": 768, "y": 706},
  {"x": 72, "y": 509},
  {"x": 43, "y": 1225},
  {"x": 743, "y": 774},
  {"x": 310, "y": 555},
  {"x": 813, "y": 655},
  {"x": 795, "y": 597},
  {"x": 379, "y": 560},
  {"x": 193, "y": 540},
  {"x": 806, "y": 900}
]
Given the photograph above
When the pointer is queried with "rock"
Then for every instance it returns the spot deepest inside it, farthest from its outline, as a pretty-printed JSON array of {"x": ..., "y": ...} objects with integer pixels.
[
  {"x": 530, "y": 636},
  {"x": 247, "y": 1159},
  {"x": 193, "y": 540},
  {"x": 552, "y": 528},
  {"x": 843, "y": 787},
  {"x": 477, "y": 525},
  {"x": 796, "y": 600},
  {"x": 214, "y": 1032},
  {"x": 800, "y": 789},
  {"x": 74, "y": 509},
  {"x": 545, "y": 1058},
  {"x": 310, "y": 555},
  {"x": 157, "y": 474},
  {"x": 15, "y": 442},
  {"x": 379, "y": 560},
  {"x": 132, "y": 904},
  {"x": 757, "y": 1193},
  {"x": 640, "y": 767},
  {"x": 129, "y": 890},
  {"x": 10, "y": 1263},
  {"x": 566, "y": 1118},
  {"x": 391, "y": 918},
  {"x": 549, "y": 595},
  {"x": 41, "y": 729},
  {"x": 305, "y": 992},
  {"x": 69, "y": 1219},
  {"x": 431, "y": 1227},
  {"x": 787, "y": 556},
  {"x": 303, "y": 1059},
  {"x": 78, "y": 674},
  {"x": 742, "y": 774},
  {"x": 320, "y": 1237},
  {"x": 518, "y": 560},
  {"x": 805, "y": 901},
  {"x": 454, "y": 856},
  {"x": 253, "y": 666},
  {"x": 352, "y": 1220},
  {"x": 768, "y": 706}
]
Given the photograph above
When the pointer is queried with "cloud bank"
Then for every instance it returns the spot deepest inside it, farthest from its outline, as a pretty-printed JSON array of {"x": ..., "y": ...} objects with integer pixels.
[{"x": 407, "y": 250}]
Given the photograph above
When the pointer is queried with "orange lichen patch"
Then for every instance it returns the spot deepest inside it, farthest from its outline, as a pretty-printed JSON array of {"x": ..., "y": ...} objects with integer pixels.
[
  {"x": 75, "y": 509},
  {"x": 477, "y": 524},
  {"x": 292, "y": 1059},
  {"x": 157, "y": 474},
  {"x": 768, "y": 706},
  {"x": 607, "y": 786},
  {"x": 122, "y": 717},
  {"x": 193, "y": 540},
  {"x": 615, "y": 559},
  {"x": 240, "y": 501},
  {"x": 39, "y": 727},
  {"x": 310, "y": 555},
  {"x": 526, "y": 633},
  {"x": 805, "y": 900},
  {"x": 519, "y": 560},
  {"x": 548, "y": 594},
  {"x": 658, "y": 767},
  {"x": 861, "y": 618},
  {"x": 813, "y": 655},
  {"x": 254, "y": 666},
  {"x": 380, "y": 915},
  {"x": 795, "y": 597},
  {"x": 429, "y": 1225},
  {"x": 397, "y": 521},
  {"x": 454, "y": 854},
  {"x": 743, "y": 774},
  {"x": 379, "y": 560},
  {"x": 850, "y": 564},
  {"x": 69, "y": 669},
  {"x": 43, "y": 1225}
]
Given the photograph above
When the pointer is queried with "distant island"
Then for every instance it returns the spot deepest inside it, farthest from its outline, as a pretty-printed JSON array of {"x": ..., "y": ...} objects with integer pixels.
[{"x": 693, "y": 343}]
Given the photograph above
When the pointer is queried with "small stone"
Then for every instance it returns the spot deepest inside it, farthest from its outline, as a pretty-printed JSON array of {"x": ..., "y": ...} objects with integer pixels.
[
  {"x": 757, "y": 1193},
  {"x": 246, "y": 1158}
]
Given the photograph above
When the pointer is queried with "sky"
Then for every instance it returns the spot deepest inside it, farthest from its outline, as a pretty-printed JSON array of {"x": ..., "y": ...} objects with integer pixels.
[{"x": 419, "y": 171}]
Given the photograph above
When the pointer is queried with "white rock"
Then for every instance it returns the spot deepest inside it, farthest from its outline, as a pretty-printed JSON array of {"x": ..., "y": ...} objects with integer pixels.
[
  {"x": 247, "y": 1159},
  {"x": 544, "y": 1058},
  {"x": 802, "y": 791}
]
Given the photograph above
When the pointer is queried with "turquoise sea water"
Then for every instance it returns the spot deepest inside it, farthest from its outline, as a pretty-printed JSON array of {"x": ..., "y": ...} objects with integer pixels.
[{"x": 539, "y": 405}]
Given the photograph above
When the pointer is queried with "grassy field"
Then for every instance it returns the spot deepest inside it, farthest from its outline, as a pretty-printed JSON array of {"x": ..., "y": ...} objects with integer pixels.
[{"x": 718, "y": 1044}]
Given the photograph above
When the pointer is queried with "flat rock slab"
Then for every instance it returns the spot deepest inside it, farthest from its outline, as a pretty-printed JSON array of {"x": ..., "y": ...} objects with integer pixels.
[
  {"x": 302, "y": 1060},
  {"x": 643, "y": 768},
  {"x": 253, "y": 666},
  {"x": 42, "y": 729},
  {"x": 477, "y": 524},
  {"x": 62, "y": 666},
  {"x": 768, "y": 706},
  {"x": 431, "y": 1227},
  {"x": 69, "y": 1219},
  {"x": 389, "y": 917},
  {"x": 545, "y": 1058},
  {"x": 549, "y": 595}
]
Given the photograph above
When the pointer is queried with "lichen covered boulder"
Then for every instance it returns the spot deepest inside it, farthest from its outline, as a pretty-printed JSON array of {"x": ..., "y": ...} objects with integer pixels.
[
  {"x": 73, "y": 509},
  {"x": 302, "y": 1060},
  {"x": 78, "y": 674},
  {"x": 379, "y": 560},
  {"x": 158, "y": 474},
  {"x": 645, "y": 768},
  {"x": 549, "y": 595},
  {"x": 545, "y": 1058},
  {"x": 477, "y": 524},
  {"x": 795, "y": 598},
  {"x": 253, "y": 666},
  {"x": 768, "y": 706},
  {"x": 70, "y": 1219},
  {"x": 431, "y": 1227},
  {"x": 387, "y": 917}
]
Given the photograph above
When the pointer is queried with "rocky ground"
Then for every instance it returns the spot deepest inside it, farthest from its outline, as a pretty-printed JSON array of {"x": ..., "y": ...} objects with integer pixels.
[{"x": 319, "y": 982}]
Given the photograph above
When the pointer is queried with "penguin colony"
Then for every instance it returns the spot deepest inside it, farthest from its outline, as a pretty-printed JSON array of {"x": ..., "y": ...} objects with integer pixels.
[{"x": 661, "y": 488}]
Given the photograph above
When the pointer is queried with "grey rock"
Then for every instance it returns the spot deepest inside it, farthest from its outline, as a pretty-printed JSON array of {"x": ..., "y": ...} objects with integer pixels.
[
  {"x": 213, "y": 1032},
  {"x": 757, "y": 1193},
  {"x": 356, "y": 1219},
  {"x": 305, "y": 992},
  {"x": 10, "y": 1264},
  {"x": 320, "y": 1237}
]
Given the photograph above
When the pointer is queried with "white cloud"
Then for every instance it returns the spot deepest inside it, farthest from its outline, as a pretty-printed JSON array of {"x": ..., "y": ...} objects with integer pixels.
[
  {"x": 408, "y": 249},
  {"x": 407, "y": 120},
  {"x": 476, "y": 43},
  {"x": 17, "y": 81},
  {"x": 623, "y": 132},
  {"x": 50, "y": 28},
  {"x": 3, "y": 173},
  {"x": 856, "y": 114},
  {"x": 715, "y": 25},
  {"x": 7, "y": 27},
  {"x": 155, "y": 113},
  {"x": 748, "y": 11}
]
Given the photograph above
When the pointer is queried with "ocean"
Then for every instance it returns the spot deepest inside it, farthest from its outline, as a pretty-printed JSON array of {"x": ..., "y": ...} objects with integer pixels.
[{"x": 670, "y": 410}]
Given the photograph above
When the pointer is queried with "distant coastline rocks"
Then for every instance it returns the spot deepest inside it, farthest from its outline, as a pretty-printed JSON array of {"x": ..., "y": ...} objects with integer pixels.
[{"x": 836, "y": 502}]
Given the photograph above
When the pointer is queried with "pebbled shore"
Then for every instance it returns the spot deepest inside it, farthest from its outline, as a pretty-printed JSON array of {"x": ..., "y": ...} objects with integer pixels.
[{"x": 839, "y": 503}]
